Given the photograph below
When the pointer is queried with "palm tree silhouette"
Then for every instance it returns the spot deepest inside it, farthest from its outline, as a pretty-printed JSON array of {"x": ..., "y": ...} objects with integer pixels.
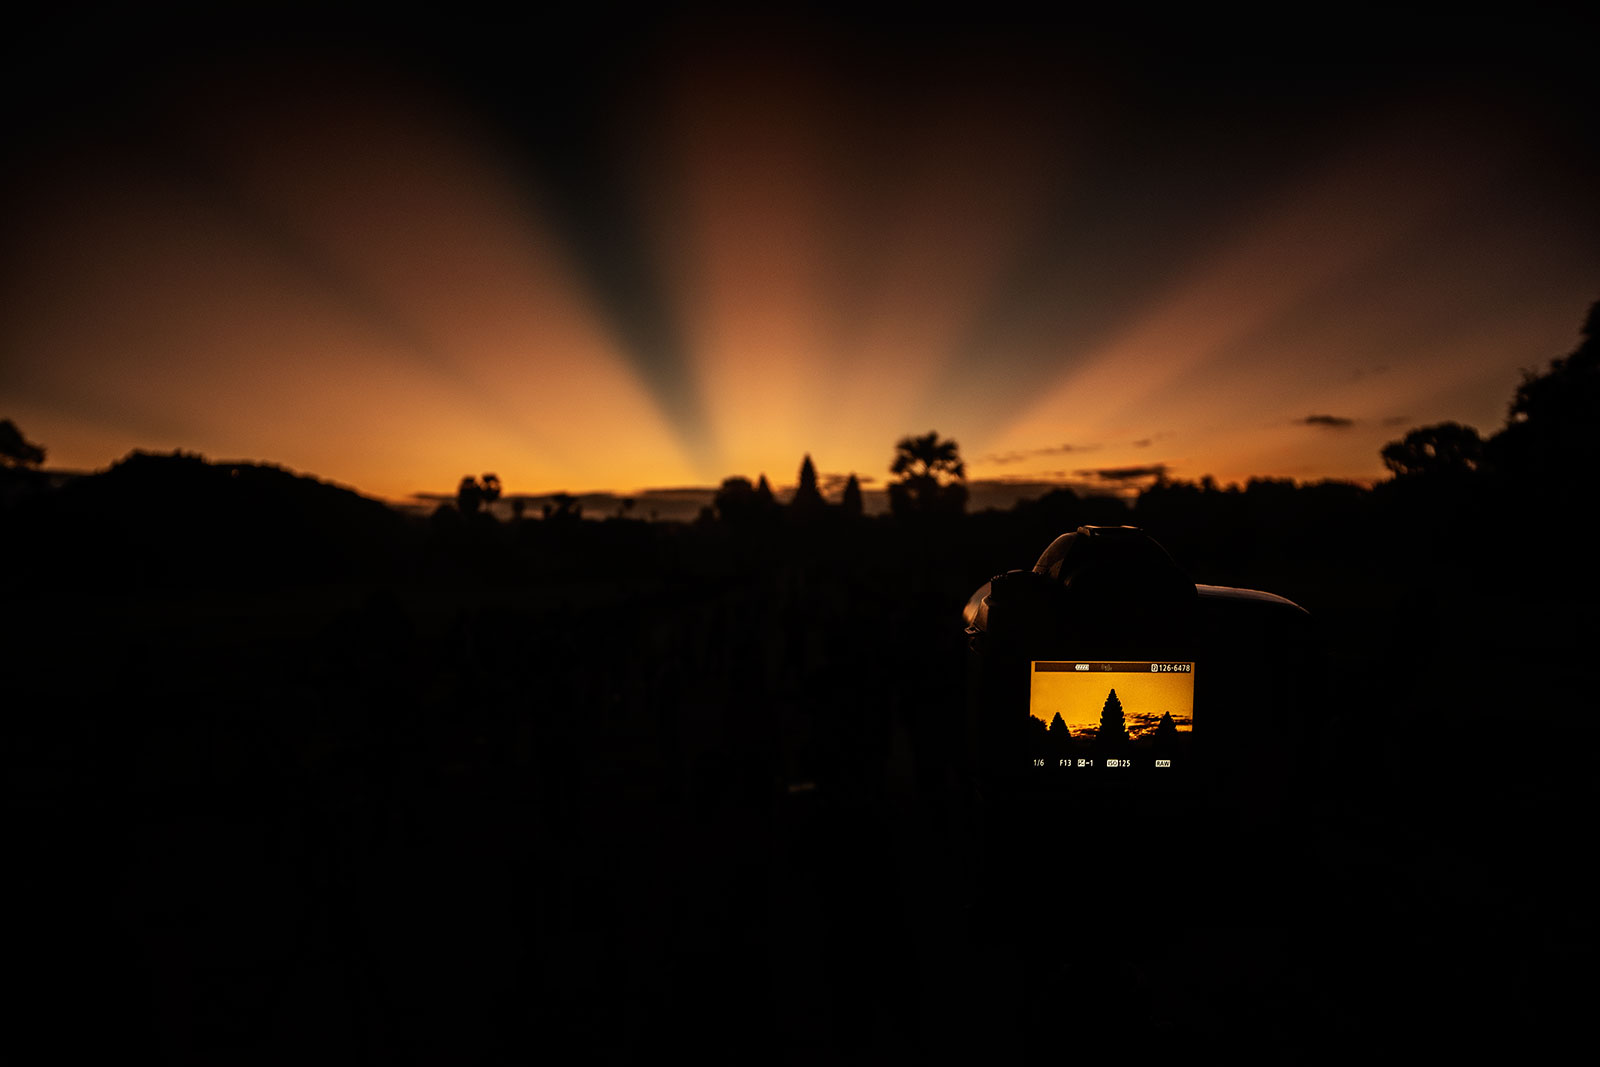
[
  {"x": 932, "y": 475},
  {"x": 927, "y": 457}
]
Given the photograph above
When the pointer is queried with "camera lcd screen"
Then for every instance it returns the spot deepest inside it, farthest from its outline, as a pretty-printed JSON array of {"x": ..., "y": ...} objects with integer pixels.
[{"x": 1113, "y": 714}]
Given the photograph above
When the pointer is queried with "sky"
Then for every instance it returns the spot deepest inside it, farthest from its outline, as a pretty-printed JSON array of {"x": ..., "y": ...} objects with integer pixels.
[{"x": 600, "y": 252}]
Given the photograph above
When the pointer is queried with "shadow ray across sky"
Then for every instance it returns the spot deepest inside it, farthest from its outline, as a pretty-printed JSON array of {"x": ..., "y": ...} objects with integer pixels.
[{"x": 597, "y": 252}]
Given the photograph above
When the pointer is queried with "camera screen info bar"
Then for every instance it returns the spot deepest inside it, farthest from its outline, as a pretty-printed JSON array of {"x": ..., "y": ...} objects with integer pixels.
[{"x": 1114, "y": 666}]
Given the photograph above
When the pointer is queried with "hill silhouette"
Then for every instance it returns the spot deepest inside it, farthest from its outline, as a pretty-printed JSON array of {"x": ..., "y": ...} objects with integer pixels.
[{"x": 177, "y": 519}]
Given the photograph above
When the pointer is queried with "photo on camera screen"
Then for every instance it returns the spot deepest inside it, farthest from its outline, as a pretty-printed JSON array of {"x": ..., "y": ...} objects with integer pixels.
[{"x": 1110, "y": 713}]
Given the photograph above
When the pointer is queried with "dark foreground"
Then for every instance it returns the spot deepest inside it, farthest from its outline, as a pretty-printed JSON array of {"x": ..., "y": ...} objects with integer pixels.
[{"x": 687, "y": 794}]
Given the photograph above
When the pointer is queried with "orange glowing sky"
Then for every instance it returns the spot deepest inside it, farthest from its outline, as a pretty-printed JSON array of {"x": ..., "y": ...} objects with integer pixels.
[
  {"x": 1080, "y": 698},
  {"x": 591, "y": 262}
]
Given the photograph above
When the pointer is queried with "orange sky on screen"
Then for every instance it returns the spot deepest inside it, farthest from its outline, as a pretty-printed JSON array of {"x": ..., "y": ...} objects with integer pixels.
[{"x": 1079, "y": 697}]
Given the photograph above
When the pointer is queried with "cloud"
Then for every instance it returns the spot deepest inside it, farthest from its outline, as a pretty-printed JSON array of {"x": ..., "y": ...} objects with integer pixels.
[
  {"x": 672, "y": 504},
  {"x": 1126, "y": 474},
  {"x": 1333, "y": 422},
  {"x": 833, "y": 483},
  {"x": 678, "y": 504},
  {"x": 1141, "y": 723},
  {"x": 1397, "y": 420},
  {"x": 1002, "y": 458}
]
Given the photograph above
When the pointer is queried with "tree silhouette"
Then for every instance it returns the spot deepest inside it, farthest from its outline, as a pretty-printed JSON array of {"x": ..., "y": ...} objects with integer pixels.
[
  {"x": 928, "y": 456},
  {"x": 472, "y": 495},
  {"x": 563, "y": 507},
  {"x": 1113, "y": 730},
  {"x": 1549, "y": 434},
  {"x": 15, "y": 449},
  {"x": 469, "y": 495},
  {"x": 1037, "y": 736},
  {"x": 19, "y": 464},
  {"x": 932, "y": 476},
  {"x": 1444, "y": 450},
  {"x": 736, "y": 502}
]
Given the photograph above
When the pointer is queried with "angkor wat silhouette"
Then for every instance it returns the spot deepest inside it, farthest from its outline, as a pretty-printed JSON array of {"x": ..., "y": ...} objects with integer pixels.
[{"x": 1111, "y": 733}]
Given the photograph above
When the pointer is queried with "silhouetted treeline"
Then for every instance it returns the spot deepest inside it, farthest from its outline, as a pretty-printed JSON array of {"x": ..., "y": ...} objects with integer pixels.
[
  {"x": 160, "y": 521},
  {"x": 154, "y": 520}
]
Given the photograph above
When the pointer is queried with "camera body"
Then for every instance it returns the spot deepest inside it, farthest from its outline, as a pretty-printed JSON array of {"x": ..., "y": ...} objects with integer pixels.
[{"x": 1159, "y": 723}]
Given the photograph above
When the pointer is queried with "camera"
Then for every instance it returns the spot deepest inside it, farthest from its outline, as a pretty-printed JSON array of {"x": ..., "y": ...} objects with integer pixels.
[{"x": 1119, "y": 711}]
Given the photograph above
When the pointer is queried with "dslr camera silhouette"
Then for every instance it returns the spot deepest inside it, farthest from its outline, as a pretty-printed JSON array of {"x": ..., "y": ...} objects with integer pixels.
[{"x": 1105, "y": 671}]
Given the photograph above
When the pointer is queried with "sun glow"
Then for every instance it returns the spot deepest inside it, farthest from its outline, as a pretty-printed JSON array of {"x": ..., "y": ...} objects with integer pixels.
[{"x": 347, "y": 269}]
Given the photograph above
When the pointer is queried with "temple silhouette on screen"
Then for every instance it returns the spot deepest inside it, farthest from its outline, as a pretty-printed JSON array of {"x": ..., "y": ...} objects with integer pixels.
[{"x": 1118, "y": 713}]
